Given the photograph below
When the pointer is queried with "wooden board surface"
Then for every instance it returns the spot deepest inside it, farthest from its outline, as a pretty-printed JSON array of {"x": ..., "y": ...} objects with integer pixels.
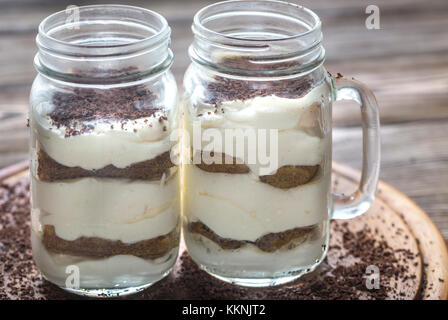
[
  {"x": 421, "y": 256},
  {"x": 430, "y": 242},
  {"x": 405, "y": 63}
]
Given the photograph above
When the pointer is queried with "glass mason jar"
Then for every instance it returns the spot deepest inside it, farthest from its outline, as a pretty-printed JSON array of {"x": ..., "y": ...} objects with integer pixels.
[
  {"x": 105, "y": 193},
  {"x": 258, "y": 101}
]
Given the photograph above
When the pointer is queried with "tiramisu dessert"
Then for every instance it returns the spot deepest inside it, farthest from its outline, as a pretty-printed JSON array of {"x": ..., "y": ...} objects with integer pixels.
[
  {"x": 105, "y": 193},
  {"x": 242, "y": 224}
]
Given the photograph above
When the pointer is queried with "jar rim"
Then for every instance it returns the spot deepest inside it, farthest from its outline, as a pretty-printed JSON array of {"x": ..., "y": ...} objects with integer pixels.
[
  {"x": 274, "y": 38},
  {"x": 100, "y": 44},
  {"x": 198, "y": 20},
  {"x": 46, "y": 41}
]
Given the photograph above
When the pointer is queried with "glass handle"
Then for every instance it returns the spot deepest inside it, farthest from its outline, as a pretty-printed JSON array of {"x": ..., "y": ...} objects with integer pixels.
[{"x": 359, "y": 202}]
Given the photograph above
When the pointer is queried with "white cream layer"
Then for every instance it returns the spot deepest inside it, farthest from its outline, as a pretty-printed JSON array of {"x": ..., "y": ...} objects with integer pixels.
[
  {"x": 294, "y": 147},
  {"x": 251, "y": 262},
  {"x": 270, "y": 112},
  {"x": 303, "y": 126},
  {"x": 241, "y": 207},
  {"x": 122, "y": 271},
  {"x": 108, "y": 143},
  {"x": 114, "y": 209}
]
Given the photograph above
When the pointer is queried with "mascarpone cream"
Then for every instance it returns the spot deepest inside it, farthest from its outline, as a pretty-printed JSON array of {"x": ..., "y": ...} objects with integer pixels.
[{"x": 114, "y": 209}]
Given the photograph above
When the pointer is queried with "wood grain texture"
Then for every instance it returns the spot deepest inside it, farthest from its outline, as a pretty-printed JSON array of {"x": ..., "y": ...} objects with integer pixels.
[
  {"x": 405, "y": 63},
  {"x": 431, "y": 243},
  {"x": 388, "y": 225}
]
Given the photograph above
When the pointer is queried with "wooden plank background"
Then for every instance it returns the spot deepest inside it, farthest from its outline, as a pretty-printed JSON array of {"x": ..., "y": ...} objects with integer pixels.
[{"x": 405, "y": 63}]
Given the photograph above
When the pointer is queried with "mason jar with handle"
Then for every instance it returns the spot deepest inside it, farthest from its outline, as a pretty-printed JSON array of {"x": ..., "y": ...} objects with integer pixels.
[{"x": 257, "y": 112}]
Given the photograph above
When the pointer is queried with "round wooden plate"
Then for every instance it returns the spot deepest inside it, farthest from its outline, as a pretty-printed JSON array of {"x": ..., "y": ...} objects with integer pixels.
[
  {"x": 417, "y": 270},
  {"x": 431, "y": 245}
]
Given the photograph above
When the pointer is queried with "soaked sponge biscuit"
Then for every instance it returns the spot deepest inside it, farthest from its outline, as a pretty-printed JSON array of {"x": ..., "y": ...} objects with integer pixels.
[
  {"x": 227, "y": 164},
  {"x": 270, "y": 242},
  {"x": 290, "y": 176},
  {"x": 288, "y": 239},
  {"x": 95, "y": 247},
  {"x": 225, "y": 243},
  {"x": 50, "y": 170},
  {"x": 286, "y": 177}
]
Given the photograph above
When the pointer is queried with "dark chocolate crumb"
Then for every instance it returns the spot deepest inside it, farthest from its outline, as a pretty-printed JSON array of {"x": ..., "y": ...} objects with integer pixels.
[
  {"x": 79, "y": 109},
  {"x": 229, "y": 89}
]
